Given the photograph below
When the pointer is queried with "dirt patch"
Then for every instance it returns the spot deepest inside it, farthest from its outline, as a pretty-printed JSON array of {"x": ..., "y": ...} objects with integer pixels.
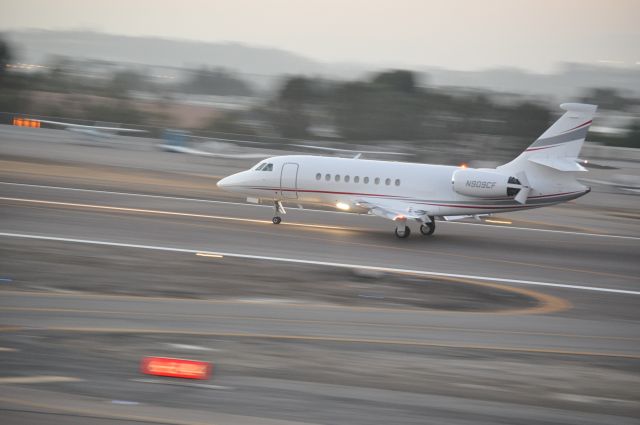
[{"x": 57, "y": 266}]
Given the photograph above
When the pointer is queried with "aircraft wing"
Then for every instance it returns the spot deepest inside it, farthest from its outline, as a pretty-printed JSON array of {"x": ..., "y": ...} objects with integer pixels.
[
  {"x": 350, "y": 151},
  {"x": 394, "y": 210},
  {"x": 70, "y": 126}
]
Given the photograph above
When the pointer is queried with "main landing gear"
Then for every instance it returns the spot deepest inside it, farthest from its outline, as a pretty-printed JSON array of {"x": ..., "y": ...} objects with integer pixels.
[
  {"x": 278, "y": 209},
  {"x": 427, "y": 229},
  {"x": 402, "y": 230}
]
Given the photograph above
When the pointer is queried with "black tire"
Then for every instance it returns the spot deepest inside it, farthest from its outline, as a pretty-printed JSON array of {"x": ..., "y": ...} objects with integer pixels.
[
  {"x": 427, "y": 229},
  {"x": 403, "y": 235},
  {"x": 277, "y": 220}
]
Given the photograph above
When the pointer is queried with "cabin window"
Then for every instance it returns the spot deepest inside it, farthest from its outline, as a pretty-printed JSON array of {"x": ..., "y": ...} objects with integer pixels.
[
  {"x": 327, "y": 177},
  {"x": 356, "y": 179},
  {"x": 366, "y": 180},
  {"x": 387, "y": 182},
  {"x": 337, "y": 177},
  {"x": 318, "y": 176},
  {"x": 346, "y": 179},
  {"x": 397, "y": 182},
  {"x": 377, "y": 180}
]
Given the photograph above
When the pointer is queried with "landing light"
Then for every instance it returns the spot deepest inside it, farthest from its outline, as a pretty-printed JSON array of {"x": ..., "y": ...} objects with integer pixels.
[
  {"x": 343, "y": 206},
  {"x": 463, "y": 165}
]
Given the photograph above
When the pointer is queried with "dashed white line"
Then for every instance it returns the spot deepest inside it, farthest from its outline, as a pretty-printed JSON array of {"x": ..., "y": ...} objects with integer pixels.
[
  {"x": 43, "y": 379},
  {"x": 181, "y": 384},
  {"x": 322, "y": 263},
  {"x": 190, "y": 347}
]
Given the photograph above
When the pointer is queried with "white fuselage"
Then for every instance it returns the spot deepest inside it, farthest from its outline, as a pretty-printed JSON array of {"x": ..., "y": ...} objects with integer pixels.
[{"x": 329, "y": 180}]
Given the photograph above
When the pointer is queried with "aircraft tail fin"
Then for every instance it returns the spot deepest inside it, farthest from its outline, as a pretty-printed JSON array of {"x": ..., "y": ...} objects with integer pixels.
[
  {"x": 559, "y": 146},
  {"x": 555, "y": 153}
]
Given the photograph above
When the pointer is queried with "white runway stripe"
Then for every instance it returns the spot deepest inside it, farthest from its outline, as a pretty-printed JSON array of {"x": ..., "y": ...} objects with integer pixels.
[{"x": 323, "y": 263}]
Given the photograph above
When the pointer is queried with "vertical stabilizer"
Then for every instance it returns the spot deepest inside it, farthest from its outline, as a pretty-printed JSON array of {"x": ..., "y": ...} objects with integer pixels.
[{"x": 559, "y": 146}]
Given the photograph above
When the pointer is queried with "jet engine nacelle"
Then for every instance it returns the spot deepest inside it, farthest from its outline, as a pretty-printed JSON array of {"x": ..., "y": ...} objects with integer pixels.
[{"x": 484, "y": 184}]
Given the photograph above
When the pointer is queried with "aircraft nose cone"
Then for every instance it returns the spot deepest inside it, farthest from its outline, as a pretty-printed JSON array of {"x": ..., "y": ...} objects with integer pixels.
[{"x": 222, "y": 183}]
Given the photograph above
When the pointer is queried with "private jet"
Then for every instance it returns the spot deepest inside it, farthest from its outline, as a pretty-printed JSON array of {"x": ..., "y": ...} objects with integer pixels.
[{"x": 544, "y": 174}]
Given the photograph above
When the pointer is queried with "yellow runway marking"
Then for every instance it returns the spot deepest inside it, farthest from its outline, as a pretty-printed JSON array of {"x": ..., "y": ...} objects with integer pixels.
[
  {"x": 123, "y": 313},
  {"x": 327, "y": 338},
  {"x": 497, "y": 221},
  {"x": 169, "y": 213},
  {"x": 548, "y": 303}
]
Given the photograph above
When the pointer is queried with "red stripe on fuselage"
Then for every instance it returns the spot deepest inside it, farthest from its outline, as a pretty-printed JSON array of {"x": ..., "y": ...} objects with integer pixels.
[{"x": 416, "y": 201}]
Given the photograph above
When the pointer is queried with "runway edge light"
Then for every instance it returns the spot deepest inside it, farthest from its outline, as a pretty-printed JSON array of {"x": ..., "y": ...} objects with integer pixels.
[{"x": 176, "y": 368}]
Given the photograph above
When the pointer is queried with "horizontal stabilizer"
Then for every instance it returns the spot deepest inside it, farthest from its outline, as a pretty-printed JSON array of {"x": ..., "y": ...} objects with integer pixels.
[{"x": 559, "y": 163}]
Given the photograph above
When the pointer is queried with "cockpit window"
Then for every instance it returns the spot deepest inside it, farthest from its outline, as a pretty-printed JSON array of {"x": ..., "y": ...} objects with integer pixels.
[{"x": 263, "y": 166}]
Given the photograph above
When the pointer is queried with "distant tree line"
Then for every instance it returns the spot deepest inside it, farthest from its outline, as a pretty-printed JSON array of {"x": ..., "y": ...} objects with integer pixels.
[
  {"x": 391, "y": 106},
  {"x": 215, "y": 82},
  {"x": 386, "y": 106}
]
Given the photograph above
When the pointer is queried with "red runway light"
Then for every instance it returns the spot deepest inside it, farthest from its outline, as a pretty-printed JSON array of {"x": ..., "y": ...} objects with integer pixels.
[{"x": 175, "y": 368}]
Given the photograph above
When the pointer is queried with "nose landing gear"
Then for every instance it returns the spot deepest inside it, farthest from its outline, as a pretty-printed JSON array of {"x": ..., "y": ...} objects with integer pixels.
[
  {"x": 402, "y": 230},
  {"x": 278, "y": 209},
  {"x": 402, "y": 233}
]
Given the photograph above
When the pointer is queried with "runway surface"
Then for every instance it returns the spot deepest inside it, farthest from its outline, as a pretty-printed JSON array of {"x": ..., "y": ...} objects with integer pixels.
[{"x": 571, "y": 354}]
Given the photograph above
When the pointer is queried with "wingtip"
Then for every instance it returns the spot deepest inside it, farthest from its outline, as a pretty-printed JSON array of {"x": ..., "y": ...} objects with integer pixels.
[{"x": 579, "y": 107}]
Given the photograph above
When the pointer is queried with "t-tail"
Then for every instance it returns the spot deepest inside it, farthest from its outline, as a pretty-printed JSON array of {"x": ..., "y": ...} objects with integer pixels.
[{"x": 554, "y": 155}]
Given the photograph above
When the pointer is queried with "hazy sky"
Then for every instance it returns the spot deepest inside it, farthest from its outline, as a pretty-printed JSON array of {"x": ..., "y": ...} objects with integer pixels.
[{"x": 470, "y": 34}]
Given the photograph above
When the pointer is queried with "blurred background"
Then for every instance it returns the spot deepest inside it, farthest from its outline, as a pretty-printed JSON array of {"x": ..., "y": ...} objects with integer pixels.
[
  {"x": 453, "y": 82},
  {"x": 119, "y": 255}
]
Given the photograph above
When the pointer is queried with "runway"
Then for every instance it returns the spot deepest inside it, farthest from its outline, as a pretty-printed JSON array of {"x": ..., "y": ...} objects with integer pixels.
[
  {"x": 101, "y": 271},
  {"x": 576, "y": 258}
]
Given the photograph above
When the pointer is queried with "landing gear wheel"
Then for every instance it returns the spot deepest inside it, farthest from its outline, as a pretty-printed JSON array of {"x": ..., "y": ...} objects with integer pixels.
[
  {"x": 427, "y": 229},
  {"x": 277, "y": 220},
  {"x": 403, "y": 234}
]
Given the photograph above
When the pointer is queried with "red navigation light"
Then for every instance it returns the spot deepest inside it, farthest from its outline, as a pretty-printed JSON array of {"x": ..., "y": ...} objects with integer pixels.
[{"x": 175, "y": 368}]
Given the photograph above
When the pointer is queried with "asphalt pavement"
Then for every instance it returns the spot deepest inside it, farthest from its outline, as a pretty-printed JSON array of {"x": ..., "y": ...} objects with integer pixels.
[{"x": 568, "y": 353}]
